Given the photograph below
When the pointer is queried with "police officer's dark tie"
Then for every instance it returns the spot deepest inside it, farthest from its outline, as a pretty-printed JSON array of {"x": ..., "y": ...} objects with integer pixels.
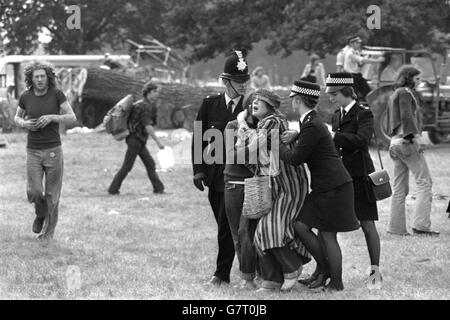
[
  {"x": 230, "y": 106},
  {"x": 342, "y": 115}
]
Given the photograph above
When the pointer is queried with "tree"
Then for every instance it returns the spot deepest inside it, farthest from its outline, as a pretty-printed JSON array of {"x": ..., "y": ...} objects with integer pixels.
[
  {"x": 212, "y": 27},
  {"x": 107, "y": 22},
  {"x": 18, "y": 22}
]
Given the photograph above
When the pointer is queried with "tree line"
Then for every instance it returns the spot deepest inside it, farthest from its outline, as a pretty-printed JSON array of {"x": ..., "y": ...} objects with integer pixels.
[{"x": 203, "y": 29}]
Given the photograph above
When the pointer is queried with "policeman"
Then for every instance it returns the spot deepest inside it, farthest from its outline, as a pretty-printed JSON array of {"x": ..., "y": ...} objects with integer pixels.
[{"x": 215, "y": 112}]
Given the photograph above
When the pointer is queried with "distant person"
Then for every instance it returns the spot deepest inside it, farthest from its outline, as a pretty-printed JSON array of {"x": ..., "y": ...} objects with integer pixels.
[
  {"x": 340, "y": 58},
  {"x": 448, "y": 209},
  {"x": 259, "y": 79},
  {"x": 352, "y": 64},
  {"x": 407, "y": 153},
  {"x": 41, "y": 109},
  {"x": 141, "y": 120},
  {"x": 314, "y": 71},
  {"x": 390, "y": 73},
  {"x": 109, "y": 63}
]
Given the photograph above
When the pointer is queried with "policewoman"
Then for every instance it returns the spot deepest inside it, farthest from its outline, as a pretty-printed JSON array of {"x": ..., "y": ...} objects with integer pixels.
[
  {"x": 215, "y": 112},
  {"x": 352, "y": 126},
  {"x": 329, "y": 206}
]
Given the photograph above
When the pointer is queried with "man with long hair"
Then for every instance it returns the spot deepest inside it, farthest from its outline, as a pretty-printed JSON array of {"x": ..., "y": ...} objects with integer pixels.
[
  {"x": 407, "y": 152},
  {"x": 41, "y": 109}
]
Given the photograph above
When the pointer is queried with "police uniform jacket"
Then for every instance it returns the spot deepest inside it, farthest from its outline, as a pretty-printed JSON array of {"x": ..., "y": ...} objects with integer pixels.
[
  {"x": 315, "y": 147},
  {"x": 213, "y": 114},
  {"x": 352, "y": 137}
]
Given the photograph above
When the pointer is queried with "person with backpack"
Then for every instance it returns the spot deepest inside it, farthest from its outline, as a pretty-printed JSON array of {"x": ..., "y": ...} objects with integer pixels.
[{"x": 141, "y": 120}]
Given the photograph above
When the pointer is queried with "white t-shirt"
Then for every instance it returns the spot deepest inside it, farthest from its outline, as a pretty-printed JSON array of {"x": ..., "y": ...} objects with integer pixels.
[
  {"x": 341, "y": 56},
  {"x": 352, "y": 61}
]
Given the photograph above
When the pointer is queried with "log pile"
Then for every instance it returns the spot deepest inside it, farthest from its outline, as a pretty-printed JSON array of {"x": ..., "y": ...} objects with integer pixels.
[{"x": 177, "y": 105}]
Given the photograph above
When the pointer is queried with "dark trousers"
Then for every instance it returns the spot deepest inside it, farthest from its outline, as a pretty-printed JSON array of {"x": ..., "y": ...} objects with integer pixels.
[
  {"x": 361, "y": 86},
  {"x": 242, "y": 230},
  {"x": 226, "y": 252},
  {"x": 136, "y": 148},
  {"x": 278, "y": 264}
]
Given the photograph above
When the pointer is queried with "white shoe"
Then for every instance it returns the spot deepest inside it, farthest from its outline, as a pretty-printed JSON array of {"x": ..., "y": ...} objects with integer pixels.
[
  {"x": 288, "y": 284},
  {"x": 375, "y": 280}
]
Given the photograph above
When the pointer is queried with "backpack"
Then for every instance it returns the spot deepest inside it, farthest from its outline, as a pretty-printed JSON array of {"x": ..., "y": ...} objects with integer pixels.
[{"x": 116, "y": 120}]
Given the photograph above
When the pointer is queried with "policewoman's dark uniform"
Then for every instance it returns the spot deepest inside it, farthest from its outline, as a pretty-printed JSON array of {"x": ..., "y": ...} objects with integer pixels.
[
  {"x": 352, "y": 138},
  {"x": 329, "y": 206}
]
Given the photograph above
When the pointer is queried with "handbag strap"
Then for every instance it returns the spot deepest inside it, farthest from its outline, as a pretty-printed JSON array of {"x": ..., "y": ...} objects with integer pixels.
[{"x": 376, "y": 143}]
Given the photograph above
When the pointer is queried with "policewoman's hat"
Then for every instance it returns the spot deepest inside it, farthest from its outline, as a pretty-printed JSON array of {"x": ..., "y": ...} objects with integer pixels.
[
  {"x": 305, "y": 88},
  {"x": 236, "y": 68},
  {"x": 337, "y": 81}
]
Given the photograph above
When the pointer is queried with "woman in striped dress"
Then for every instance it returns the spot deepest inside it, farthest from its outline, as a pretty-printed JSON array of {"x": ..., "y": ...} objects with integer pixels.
[{"x": 281, "y": 253}]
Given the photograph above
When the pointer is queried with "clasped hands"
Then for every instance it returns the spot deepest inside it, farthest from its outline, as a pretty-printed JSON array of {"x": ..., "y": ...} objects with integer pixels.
[{"x": 41, "y": 122}]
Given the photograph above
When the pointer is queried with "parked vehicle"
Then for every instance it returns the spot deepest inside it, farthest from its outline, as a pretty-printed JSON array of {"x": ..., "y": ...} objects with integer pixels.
[{"x": 434, "y": 91}]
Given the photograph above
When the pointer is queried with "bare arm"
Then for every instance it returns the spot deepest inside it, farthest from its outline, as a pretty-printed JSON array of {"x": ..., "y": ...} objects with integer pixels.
[
  {"x": 21, "y": 122},
  {"x": 66, "y": 116},
  {"x": 151, "y": 132}
]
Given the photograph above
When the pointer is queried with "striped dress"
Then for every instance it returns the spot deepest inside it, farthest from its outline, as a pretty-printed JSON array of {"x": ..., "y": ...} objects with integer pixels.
[{"x": 289, "y": 189}]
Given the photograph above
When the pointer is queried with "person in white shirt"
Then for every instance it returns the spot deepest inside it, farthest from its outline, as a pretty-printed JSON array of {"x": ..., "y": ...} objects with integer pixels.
[
  {"x": 340, "y": 59},
  {"x": 352, "y": 64},
  {"x": 314, "y": 71}
]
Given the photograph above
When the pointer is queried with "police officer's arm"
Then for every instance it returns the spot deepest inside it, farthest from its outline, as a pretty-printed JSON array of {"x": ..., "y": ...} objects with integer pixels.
[
  {"x": 307, "y": 140},
  {"x": 360, "y": 139},
  {"x": 202, "y": 117}
]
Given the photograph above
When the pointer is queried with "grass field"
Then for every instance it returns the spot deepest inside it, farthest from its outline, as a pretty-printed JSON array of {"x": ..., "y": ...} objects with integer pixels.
[{"x": 142, "y": 246}]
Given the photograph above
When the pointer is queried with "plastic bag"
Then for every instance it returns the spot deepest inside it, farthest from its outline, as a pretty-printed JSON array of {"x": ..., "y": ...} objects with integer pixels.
[{"x": 165, "y": 158}]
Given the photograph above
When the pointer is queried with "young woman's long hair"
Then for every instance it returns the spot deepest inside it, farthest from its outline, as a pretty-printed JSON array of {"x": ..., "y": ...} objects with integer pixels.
[
  {"x": 40, "y": 65},
  {"x": 405, "y": 77}
]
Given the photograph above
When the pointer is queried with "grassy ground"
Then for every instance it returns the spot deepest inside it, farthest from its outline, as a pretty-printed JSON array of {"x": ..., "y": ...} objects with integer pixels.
[{"x": 164, "y": 247}]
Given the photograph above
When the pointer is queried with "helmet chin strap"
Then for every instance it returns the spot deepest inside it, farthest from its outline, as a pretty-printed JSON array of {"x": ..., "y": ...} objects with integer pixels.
[{"x": 235, "y": 91}]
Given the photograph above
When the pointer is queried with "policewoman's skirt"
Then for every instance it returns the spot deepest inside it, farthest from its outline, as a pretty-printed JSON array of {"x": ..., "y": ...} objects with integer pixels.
[
  {"x": 330, "y": 211},
  {"x": 365, "y": 209}
]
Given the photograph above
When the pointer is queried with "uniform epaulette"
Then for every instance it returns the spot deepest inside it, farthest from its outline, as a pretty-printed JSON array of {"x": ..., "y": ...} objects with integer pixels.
[
  {"x": 364, "y": 106},
  {"x": 213, "y": 96}
]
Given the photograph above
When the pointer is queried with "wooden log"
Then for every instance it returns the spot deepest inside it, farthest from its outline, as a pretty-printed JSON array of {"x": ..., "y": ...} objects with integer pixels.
[{"x": 178, "y": 104}]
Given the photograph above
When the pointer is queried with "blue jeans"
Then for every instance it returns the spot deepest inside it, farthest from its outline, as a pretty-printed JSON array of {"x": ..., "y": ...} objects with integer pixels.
[
  {"x": 48, "y": 163},
  {"x": 242, "y": 230},
  {"x": 407, "y": 158}
]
